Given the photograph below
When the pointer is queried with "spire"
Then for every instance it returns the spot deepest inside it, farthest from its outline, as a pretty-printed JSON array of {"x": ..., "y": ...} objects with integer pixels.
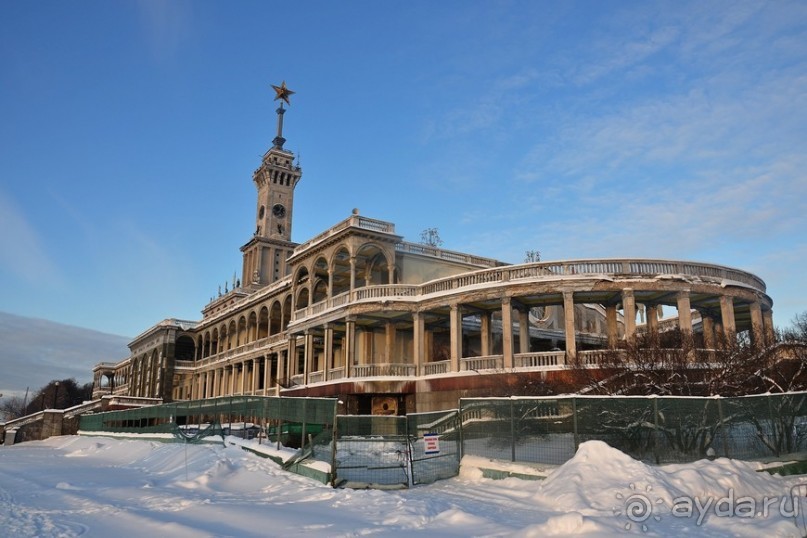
[{"x": 282, "y": 93}]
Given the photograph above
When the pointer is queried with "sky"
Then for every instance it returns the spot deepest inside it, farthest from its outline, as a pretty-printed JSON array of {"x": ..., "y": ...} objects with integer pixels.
[
  {"x": 93, "y": 486},
  {"x": 130, "y": 131}
]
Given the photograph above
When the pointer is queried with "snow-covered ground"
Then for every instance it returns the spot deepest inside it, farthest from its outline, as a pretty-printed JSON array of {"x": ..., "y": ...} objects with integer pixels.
[{"x": 95, "y": 486}]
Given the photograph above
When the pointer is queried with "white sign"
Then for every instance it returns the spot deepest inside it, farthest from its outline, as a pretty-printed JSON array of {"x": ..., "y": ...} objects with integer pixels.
[{"x": 431, "y": 442}]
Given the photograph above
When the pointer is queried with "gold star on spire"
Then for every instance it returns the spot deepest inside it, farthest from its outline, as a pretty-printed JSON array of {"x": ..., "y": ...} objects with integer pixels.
[{"x": 282, "y": 92}]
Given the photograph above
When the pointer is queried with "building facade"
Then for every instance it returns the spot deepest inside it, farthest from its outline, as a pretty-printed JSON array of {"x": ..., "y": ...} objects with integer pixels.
[{"x": 389, "y": 326}]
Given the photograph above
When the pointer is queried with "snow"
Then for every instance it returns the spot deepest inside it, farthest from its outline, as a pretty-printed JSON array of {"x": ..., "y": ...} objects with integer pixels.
[{"x": 100, "y": 486}]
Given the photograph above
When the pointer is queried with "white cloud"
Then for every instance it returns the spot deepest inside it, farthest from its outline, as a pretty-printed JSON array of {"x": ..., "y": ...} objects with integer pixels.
[{"x": 22, "y": 252}]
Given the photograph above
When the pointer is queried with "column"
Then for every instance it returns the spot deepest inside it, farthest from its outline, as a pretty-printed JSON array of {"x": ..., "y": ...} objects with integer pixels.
[
  {"x": 684, "y": 313},
  {"x": 652, "y": 318},
  {"x": 507, "y": 332},
  {"x": 727, "y": 317},
  {"x": 612, "y": 326},
  {"x": 352, "y": 275},
  {"x": 418, "y": 326},
  {"x": 308, "y": 352},
  {"x": 568, "y": 316},
  {"x": 253, "y": 378},
  {"x": 629, "y": 313},
  {"x": 455, "y": 318},
  {"x": 350, "y": 345},
  {"x": 770, "y": 331},
  {"x": 485, "y": 336},
  {"x": 389, "y": 342},
  {"x": 708, "y": 331},
  {"x": 267, "y": 374},
  {"x": 328, "y": 352},
  {"x": 241, "y": 380},
  {"x": 757, "y": 332},
  {"x": 523, "y": 330}
]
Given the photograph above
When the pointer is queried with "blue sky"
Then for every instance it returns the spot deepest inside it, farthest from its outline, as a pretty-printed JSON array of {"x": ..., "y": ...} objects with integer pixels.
[{"x": 129, "y": 132}]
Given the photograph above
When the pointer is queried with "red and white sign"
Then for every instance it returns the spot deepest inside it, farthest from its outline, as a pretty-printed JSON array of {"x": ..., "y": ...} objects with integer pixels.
[{"x": 431, "y": 442}]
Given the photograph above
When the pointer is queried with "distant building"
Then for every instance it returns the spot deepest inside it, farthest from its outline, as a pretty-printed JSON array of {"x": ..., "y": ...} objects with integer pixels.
[{"x": 390, "y": 326}]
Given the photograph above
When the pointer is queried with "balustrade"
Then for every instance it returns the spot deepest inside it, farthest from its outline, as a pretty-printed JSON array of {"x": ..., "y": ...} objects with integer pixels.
[
  {"x": 438, "y": 367},
  {"x": 491, "y": 362},
  {"x": 539, "y": 359}
]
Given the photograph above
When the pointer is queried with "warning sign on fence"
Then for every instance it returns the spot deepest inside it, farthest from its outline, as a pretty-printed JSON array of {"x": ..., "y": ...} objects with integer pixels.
[{"x": 431, "y": 442}]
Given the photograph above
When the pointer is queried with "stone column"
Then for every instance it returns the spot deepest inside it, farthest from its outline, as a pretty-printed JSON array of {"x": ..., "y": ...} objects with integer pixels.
[
  {"x": 629, "y": 313},
  {"x": 568, "y": 316},
  {"x": 267, "y": 374},
  {"x": 241, "y": 380},
  {"x": 612, "y": 326},
  {"x": 770, "y": 330},
  {"x": 255, "y": 376},
  {"x": 708, "y": 331},
  {"x": 389, "y": 342},
  {"x": 684, "y": 313},
  {"x": 328, "y": 352},
  {"x": 523, "y": 330},
  {"x": 757, "y": 330},
  {"x": 352, "y": 275},
  {"x": 652, "y": 318},
  {"x": 727, "y": 317},
  {"x": 507, "y": 332},
  {"x": 350, "y": 346},
  {"x": 418, "y": 327},
  {"x": 308, "y": 351},
  {"x": 455, "y": 318},
  {"x": 485, "y": 335}
]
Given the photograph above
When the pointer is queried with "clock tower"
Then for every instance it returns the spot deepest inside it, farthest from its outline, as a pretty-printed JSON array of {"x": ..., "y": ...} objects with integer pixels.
[{"x": 266, "y": 253}]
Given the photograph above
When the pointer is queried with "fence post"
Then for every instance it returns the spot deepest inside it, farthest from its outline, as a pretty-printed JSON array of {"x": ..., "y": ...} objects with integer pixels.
[
  {"x": 305, "y": 423},
  {"x": 772, "y": 428},
  {"x": 655, "y": 429},
  {"x": 459, "y": 427},
  {"x": 333, "y": 448},
  {"x": 722, "y": 427},
  {"x": 512, "y": 432},
  {"x": 574, "y": 424}
]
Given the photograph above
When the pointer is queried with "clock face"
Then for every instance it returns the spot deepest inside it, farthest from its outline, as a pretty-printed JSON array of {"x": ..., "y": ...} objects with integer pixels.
[{"x": 279, "y": 211}]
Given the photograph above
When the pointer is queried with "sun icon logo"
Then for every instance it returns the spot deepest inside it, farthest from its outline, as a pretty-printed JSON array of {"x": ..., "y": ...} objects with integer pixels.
[{"x": 638, "y": 507}]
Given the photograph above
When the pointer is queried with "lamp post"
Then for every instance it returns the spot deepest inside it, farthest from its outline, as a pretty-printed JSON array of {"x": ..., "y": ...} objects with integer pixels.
[{"x": 55, "y": 395}]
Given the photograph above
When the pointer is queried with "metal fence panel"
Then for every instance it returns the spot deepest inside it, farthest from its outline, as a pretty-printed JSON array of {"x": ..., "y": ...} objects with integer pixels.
[
  {"x": 434, "y": 445},
  {"x": 371, "y": 450}
]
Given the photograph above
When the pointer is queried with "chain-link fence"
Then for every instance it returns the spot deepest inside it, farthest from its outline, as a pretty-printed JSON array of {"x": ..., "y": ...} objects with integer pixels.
[
  {"x": 400, "y": 451},
  {"x": 653, "y": 429},
  {"x": 286, "y": 421},
  {"x": 396, "y": 451}
]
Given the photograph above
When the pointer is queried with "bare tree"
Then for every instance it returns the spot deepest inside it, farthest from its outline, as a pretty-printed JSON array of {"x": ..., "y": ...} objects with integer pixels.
[
  {"x": 532, "y": 256},
  {"x": 431, "y": 237},
  {"x": 12, "y": 407}
]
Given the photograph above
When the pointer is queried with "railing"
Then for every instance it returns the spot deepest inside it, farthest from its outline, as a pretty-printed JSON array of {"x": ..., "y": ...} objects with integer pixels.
[
  {"x": 316, "y": 377},
  {"x": 298, "y": 379},
  {"x": 336, "y": 373},
  {"x": 491, "y": 362},
  {"x": 438, "y": 367},
  {"x": 613, "y": 268},
  {"x": 381, "y": 370},
  {"x": 427, "y": 250},
  {"x": 354, "y": 221},
  {"x": 540, "y": 359}
]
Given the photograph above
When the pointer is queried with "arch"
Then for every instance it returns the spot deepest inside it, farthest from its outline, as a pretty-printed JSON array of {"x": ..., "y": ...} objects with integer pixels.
[
  {"x": 300, "y": 282},
  {"x": 286, "y": 312},
  {"x": 184, "y": 348},
  {"x": 320, "y": 278},
  {"x": 372, "y": 267},
  {"x": 252, "y": 327},
  {"x": 275, "y": 319},
  {"x": 340, "y": 270},
  {"x": 232, "y": 333},
  {"x": 214, "y": 342},
  {"x": 263, "y": 323},
  {"x": 241, "y": 332}
]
